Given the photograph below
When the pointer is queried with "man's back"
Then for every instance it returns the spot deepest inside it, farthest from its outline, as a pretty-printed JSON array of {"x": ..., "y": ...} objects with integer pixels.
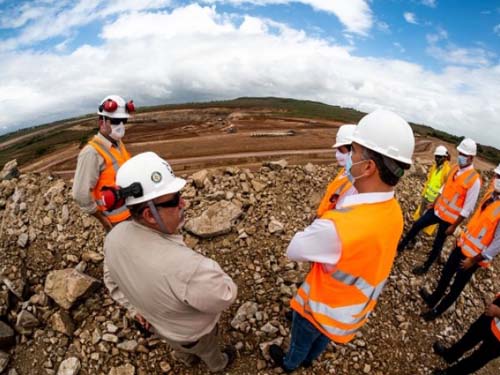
[{"x": 180, "y": 292}]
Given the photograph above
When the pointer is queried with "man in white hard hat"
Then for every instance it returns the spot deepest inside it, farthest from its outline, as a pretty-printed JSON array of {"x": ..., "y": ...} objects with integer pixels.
[
  {"x": 435, "y": 180},
  {"x": 351, "y": 248},
  {"x": 477, "y": 245},
  {"x": 178, "y": 291},
  {"x": 340, "y": 187},
  {"x": 100, "y": 159},
  {"x": 453, "y": 205}
]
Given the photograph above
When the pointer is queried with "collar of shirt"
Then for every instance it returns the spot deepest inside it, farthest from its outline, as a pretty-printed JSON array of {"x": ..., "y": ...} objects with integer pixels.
[
  {"x": 177, "y": 238},
  {"x": 106, "y": 142},
  {"x": 366, "y": 198},
  {"x": 462, "y": 170}
]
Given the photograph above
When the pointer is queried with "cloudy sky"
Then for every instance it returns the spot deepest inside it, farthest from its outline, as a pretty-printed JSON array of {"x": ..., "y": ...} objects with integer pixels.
[{"x": 433, "y": 61}]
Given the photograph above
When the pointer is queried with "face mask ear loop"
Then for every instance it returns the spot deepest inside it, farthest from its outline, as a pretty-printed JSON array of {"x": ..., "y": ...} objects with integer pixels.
[{"x": 157, "y": 217}]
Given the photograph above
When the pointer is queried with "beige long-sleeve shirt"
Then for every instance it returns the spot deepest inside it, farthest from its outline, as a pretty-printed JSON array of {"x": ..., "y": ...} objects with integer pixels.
[
  {"x": 88, "y": 168},
  {"x": 180, "y": 292}
]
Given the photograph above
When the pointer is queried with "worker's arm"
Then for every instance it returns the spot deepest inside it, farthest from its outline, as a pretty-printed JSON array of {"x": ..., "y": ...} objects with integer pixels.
[
  {"x": 319, "y": 243},
  {"x": 87, "y": 173}
]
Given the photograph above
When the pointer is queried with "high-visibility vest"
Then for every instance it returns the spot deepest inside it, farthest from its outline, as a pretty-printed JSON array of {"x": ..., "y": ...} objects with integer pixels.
[
  {"x": 113, "y": 157},
  {"x": 451, "y": 202},
  {"x": 480, "y": 230},
  {"x": 495, "y": 322},
  {"x": 435, "y": 179},
  {"x": 338, "y": 303},
  {"x": 336, "y": 188}
]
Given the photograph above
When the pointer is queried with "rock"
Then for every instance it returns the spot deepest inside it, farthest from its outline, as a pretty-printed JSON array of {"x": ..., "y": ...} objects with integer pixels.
[
  {"x": 4, "y": 361},
  {"x": 92, "y": 256},
  {"x": 127, "y": 369},
  {"x": 7, "y": 337},
  {"x": 39, "y": 299},
  {"x": 275, "y": 226},
  {"x": 61, "y": 322},
  {"x": 25, "y": 322},
  {"x": 16, "y": 287},
  {"x": 309, "y": 168},
  {"x": 277, "y": 165},
  {"x": 245, "y": 311},
  {"x": 216, "y": 220},
  {"x": 165, "y": 367},
  {"x": 9, "y": 171},
  {"x": 66, "y": 286},
  {"x": 269, "y": 328},
  {"x": 22, "y": 240},
  {"x": 110, "y": 338},
  {"x": 264, "y": 347},
  {"x": 128, "y": 345},
  {"x": 367, "y": 368},
  {"x": 258, "y": 186},
  {"x": 199, "y": 178},
  {"x": 4, "y": 302},
  {"x": 70, "y": 366},
  {"x": 111, "y": 328}
]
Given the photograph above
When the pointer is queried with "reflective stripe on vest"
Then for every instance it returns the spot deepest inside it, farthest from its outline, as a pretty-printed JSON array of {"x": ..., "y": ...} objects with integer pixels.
[
  {"x": 495, "y": 327},
  {"x": 449, "y": 208},
  {"x": 103, "y": 148}
]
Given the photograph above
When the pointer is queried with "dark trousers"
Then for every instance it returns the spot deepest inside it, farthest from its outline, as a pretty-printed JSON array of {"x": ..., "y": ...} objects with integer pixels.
[
  {"x": 306, "y": 344},
  {"x": 427, "y": 219},
  {"x": 462, "y": 277},
  {"x": 479, "y": 332}
]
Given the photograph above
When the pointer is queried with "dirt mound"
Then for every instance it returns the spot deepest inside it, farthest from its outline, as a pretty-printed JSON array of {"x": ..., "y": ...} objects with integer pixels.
[{"x": 43, "y": 231}]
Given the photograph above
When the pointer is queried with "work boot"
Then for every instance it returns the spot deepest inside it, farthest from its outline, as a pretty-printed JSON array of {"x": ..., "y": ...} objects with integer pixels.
[
  {"x": 277, "y": 355},
  {"x": 430, "y": 315},
  {"x": 420, "y": 270},
  {"x": 442, "y": 351},
  {"x": 428, "y": 298}
]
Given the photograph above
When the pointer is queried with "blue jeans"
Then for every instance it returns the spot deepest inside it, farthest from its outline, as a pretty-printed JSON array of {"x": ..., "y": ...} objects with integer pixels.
[{"x": 306, "y": 344}]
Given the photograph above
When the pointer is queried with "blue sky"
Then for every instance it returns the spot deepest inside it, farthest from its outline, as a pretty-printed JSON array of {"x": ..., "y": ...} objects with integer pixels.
[{"x": 433, "y": 61}]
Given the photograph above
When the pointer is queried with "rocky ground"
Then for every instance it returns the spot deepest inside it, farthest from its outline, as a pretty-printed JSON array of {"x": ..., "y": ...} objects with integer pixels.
[{"x": 56, "y": 316}]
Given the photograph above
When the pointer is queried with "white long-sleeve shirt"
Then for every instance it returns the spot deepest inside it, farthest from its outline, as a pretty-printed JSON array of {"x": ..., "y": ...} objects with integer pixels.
[
  {"x": 319, "y": 242},
  {"x": 494, "y": 247}
]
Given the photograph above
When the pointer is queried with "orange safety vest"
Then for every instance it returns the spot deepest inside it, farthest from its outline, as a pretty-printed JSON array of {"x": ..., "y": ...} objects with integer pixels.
[
  {"x": 113, "y": 157},
  {"x": 451, "y": 201},
  {"x": 495, "y": 323},
  {"x": 338, "y": 303},
  {"x": 480, "y": 230},
  {"x": 336, "y": 188}
]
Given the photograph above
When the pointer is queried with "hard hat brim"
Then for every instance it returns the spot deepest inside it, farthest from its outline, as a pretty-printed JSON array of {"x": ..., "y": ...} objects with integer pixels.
[
  {"x": 340, "y": 144},
  {"x": 113, "y": 115},
  {"x": 465, "y": 152}
]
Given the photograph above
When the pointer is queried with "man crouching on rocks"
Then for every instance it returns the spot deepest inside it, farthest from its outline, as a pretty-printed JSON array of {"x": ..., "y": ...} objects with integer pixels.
[{"x": 179, "y": 292}]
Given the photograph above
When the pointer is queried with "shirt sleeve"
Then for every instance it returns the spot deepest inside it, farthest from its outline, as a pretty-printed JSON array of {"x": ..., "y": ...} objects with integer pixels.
[
  {"x": 210, "y": 289},
  {"x": 319, "y": 243},
  {"x": 115, "y": 292},
  {"x": 471, "y": 199},
  {"x": 494, "y": 248},
  {"x": 86, "y": 175}
]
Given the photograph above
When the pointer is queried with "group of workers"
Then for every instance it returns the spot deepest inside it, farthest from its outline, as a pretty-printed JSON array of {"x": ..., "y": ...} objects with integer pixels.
[{"x": 179, "y": 294}]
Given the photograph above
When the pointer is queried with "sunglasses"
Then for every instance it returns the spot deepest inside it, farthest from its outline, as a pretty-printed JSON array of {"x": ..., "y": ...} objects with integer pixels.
[
  {"x": 117, "y": 121},
  {"x": 171, "y": 203}
]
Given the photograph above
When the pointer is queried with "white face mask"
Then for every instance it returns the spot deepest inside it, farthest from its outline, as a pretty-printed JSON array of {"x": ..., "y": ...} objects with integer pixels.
[
  {"x": 117, "y": 131},
  {"x": 341, "y": 158},
  {"x": 496, "y": 185}
]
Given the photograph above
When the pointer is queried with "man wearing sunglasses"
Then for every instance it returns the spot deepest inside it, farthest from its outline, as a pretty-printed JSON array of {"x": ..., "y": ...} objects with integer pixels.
[
  {"x": 100, "y": 159},
  {"x": 178, "y": 291}
]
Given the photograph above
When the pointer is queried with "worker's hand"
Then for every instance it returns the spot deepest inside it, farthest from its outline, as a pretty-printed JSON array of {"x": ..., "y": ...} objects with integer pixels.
[
  {"x": 467, "y": 263},
  {"x": 492, "y": 310},
  {"x": 450, "y": 230},
  {"x": 143, "y": 322},
  {"x": 104, "y": 221}
]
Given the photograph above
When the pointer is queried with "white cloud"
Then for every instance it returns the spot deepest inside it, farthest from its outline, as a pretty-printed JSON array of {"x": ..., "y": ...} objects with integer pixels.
[
  {"x": 355, "y": 15},
  {"x": 429, "y": 3},
  {"x": 399, "y": 47},
  {"x": 496, "y": 29},
  {"x": 197, "y": 53},
  {"x": 410, "y": 18}
]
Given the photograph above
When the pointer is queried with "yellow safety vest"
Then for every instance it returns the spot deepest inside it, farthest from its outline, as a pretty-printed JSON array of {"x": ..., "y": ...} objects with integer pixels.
[{"x": 436, "y": 179}]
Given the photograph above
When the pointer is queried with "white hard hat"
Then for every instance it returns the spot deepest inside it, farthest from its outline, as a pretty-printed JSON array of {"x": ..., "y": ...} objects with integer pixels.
[
  {"x": 386, "y": 133},
  {"x": 467, "y": 147},
  {"x": 441, "y": 151},
  {"x": 153, "y": 173},
  {"x": 114, "y": 106},
  {"x": 497, "y": 169},
  {"x": 344, "y": 135}
]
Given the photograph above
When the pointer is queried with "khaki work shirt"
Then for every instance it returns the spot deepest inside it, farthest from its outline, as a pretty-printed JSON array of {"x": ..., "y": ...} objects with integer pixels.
[
  {"x": 180, "y": 292},
  {"x": 88, "y": 169}
]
